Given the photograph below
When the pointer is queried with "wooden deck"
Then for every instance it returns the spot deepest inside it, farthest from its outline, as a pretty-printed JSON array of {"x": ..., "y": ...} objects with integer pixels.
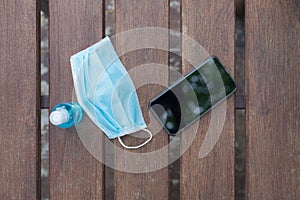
[{"x": 271, "y": 96}]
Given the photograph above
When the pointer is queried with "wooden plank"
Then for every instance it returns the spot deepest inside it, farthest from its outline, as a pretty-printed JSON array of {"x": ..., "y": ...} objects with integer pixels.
[
  {"x": 273, "y": 99},
  {"x": 19, "y": 100},
  {"x": 129, "y": 15},
  {"x": 74, "y": 172},
  {"x": 211, "y": 23}
]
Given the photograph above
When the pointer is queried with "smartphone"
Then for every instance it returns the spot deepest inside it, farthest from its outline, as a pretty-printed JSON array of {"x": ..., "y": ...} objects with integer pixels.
[{"x": 192, "y": 96}]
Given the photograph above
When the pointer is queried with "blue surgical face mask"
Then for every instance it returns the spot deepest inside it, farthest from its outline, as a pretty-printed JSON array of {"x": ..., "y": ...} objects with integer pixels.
[{"x": 106, "y": 92}]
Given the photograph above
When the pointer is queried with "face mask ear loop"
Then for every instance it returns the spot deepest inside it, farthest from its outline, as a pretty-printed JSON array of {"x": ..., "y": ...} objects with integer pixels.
[{"x": 139, "y": 146}]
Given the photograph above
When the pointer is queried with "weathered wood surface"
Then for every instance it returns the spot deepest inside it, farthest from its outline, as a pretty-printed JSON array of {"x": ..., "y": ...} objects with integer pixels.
[
  {"x": 19, "y": 100},
  {"x": 129, "y": 15},
  {"x": 74, "y": 172},
  {"x": 273, "y": 99},
  {"x": 211, "y": 24}
]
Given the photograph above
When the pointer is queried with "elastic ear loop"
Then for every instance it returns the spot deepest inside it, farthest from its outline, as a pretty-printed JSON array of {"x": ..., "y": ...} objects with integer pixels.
[{"x": 139, "y": 146}]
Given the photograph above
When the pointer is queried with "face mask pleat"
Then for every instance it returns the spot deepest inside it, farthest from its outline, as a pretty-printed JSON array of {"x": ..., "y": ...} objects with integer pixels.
[
  {"x": 88, "y": 103},
  {"x": 107, "y": 53}
]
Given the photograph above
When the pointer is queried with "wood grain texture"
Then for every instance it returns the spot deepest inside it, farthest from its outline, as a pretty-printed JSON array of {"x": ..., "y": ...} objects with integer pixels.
[
  {"x": 211, "y": 24},
  {"x": 129, "y": 15},
  {"x": 19, "y": 100},
  {"x": 74, "y": 172},
  {"x": 273, "y": 99}
]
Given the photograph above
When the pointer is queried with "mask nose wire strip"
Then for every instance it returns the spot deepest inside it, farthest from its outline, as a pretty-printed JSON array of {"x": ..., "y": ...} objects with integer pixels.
[{"x": 138, "y": 146}]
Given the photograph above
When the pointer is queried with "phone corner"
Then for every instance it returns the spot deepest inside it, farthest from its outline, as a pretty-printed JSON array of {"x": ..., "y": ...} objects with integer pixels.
[
  {"x": 215, "y": 57},
  {"x": 149, "y": 104}
]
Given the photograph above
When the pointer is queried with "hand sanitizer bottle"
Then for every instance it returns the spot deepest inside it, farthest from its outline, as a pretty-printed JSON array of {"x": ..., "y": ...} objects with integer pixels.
[{"x": 65, "y": 115}]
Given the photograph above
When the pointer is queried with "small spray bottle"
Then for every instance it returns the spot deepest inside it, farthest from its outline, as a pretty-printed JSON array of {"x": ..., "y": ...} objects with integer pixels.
[{"x": 65, "y": 115}]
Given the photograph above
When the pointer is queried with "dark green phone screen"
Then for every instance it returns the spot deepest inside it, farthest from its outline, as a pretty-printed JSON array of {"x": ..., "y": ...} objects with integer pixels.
[{"x": 192, "y": 96}]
